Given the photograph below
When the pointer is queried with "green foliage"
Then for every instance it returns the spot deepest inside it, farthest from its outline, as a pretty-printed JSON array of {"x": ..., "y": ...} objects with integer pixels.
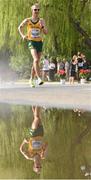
[
  {"x": 21, "y": 64},
  {"x": 68, "y": 133},
  {"x": 62, "y": 39}
]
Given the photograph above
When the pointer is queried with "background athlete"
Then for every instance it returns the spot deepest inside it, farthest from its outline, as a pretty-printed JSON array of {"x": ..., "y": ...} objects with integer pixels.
[{"x": 35, "y": 27}]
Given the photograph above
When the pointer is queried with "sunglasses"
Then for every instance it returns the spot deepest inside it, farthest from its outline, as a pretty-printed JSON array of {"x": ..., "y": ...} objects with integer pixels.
[
  {"x": 38, "y": 167},
  {"x": 36, "y": 9}
]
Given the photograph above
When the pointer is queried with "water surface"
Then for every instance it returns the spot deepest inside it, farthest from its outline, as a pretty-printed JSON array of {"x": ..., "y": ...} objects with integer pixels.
[{"x": 68, "y": 133}]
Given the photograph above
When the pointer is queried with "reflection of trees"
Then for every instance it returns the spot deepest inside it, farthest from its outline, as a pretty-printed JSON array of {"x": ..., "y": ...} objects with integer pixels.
[
  {"x": 67, "y": 134},
  {"x": 80, "y": 142},
  {"x": 67, "y": 131},
  {"x": 59, "y": 127},
  {"x": 63, "y": 38},
  {"x": 83, "y": 133},
  {"x": 12, "y": 129},
  {"x": 76, "y": 23}
]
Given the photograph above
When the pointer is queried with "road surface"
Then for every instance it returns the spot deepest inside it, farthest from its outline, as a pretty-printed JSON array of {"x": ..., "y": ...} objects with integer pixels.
[{"x": 48, "y": 95}]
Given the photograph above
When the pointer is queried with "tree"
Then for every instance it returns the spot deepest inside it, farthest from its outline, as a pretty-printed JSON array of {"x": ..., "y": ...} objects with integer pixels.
[{"x": 68, "y": 24}]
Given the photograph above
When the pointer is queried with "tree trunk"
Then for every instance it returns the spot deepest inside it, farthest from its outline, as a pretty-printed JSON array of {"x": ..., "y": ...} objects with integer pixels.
[{"x": 77, "y": 26}]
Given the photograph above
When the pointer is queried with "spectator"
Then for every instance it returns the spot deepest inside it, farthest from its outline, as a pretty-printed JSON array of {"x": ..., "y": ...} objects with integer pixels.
[
  {"x": 85, "y": 64},
  {"x": 80, "y": 63},
  {"x": 62, "y": 65},
  {"x": 51, "y": 69},
  {"x": 73, "y": 69},
  {"x": 58, "y": 63},
  {"x": 67, "y": 66},
  {"x": 45, "y": 69}
]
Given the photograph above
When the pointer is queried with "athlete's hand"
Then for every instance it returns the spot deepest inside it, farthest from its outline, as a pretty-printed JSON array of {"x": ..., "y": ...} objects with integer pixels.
[
  {"x": 24, "y": 37},
  {"x": 25, "y": 141},
  {"x": 26, "y": 156},
  {"x": 42, "y": 23},
  {"x": 43, "y": 26}
]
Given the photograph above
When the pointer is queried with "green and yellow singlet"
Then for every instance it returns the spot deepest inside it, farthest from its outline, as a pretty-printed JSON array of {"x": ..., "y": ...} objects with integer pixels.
[{"x": 34, "y": 31}]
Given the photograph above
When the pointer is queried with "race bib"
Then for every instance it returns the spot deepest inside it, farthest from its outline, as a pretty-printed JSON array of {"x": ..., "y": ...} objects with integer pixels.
[
  {"x": 35, "y": 33},
  {"x": 36, "y": 144}
]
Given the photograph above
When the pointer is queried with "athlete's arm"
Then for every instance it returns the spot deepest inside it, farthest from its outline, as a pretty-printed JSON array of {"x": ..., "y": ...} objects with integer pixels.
[
  {"x": 21, "y": 26},
  {"x": 25, "y": 154},
  {"x": 43, "y": 26},
  {"x": 44, "y": 150}
]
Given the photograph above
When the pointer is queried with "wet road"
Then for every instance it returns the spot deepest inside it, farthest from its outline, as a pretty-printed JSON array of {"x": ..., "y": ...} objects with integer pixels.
[{"x": 49, "y": 94}]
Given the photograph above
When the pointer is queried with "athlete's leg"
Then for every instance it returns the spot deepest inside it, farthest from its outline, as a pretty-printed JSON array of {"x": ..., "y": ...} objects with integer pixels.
[
  {"x": 32, "y": 72},
  {"x": 33, "y": 109},
  {"x": 36, "y": 59},
  {"x": 39, "y": 55},
  {"x": 36, "y": 120}
]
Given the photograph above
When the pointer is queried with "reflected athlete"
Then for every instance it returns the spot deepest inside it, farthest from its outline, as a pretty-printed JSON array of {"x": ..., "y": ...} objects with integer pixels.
[{"x": 36, "y": 148}]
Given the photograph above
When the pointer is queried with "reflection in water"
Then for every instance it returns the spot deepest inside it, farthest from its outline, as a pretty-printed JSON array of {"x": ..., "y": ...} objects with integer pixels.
[
  {"x": 36, "y": 149},
  {"x": 86, "y": 170},
  {"x": 86, "y": 167},
  {"x": 68, "y": 136},
  {"x": 79, "y": 111}
]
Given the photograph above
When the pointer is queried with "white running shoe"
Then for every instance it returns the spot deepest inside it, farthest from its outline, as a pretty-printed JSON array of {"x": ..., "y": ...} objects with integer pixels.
[
  {"x": 87, "y": 174},
  {"x": 40, "y": 82},
  {"x": 31, "y": 82}
]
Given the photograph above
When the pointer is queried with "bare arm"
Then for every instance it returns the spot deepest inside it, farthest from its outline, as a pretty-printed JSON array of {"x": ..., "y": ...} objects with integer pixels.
[
  {"x": 43, "y": 26},
  {"x": 22, "y": 151},
  {"x": 21, "y": 26},
  {"x": 44, "y": 150}
]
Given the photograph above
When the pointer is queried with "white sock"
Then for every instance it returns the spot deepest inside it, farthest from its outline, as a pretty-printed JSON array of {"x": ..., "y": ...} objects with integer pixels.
[
  {"x": 39, "y": 79},
  {"x": 31, "y": 78}
]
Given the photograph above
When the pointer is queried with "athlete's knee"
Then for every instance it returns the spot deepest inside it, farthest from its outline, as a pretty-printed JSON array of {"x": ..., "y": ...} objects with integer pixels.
[
  {"x": 36, "y": 60},
  {"x": 32, "y": 69}
]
